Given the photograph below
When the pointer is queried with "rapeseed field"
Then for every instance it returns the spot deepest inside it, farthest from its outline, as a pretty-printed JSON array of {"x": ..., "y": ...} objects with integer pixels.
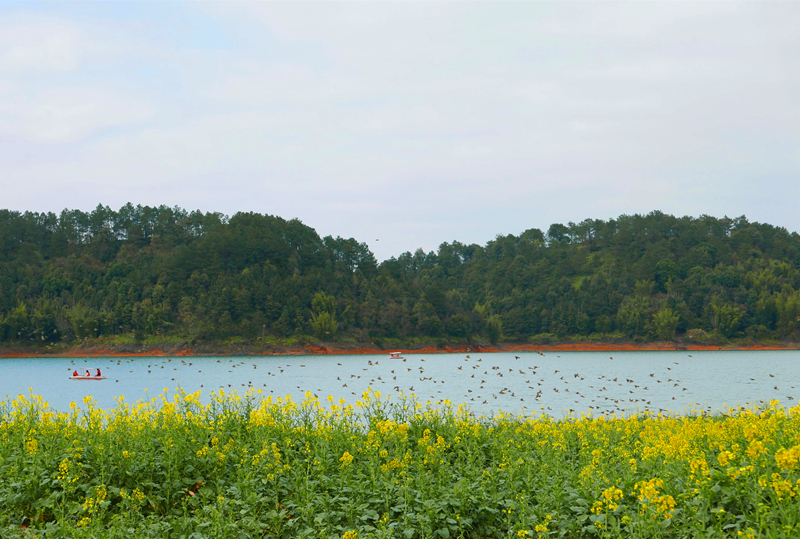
[{"x": 251, "y": 466}]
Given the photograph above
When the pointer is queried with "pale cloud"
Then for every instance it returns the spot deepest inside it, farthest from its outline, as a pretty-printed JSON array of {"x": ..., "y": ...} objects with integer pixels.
[
  {"x": 39, "y": 46},
  {"x": 413, "y": 122},
  {"x": 66, "y": 114}
]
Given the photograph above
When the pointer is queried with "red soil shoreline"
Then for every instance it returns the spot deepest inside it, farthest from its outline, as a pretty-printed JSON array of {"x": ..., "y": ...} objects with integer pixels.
[{"x": 332, "y": 349}]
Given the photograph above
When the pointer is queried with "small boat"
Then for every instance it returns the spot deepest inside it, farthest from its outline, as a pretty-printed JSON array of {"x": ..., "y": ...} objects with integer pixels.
[
  {"x": 396, "y": 355},
  {"x": 87, "y": 377}
]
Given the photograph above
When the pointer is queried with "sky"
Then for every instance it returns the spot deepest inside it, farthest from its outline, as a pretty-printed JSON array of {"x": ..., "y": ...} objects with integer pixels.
[{"x": 404, "y": 124}]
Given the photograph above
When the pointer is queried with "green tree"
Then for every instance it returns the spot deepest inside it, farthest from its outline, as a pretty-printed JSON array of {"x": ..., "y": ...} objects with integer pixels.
[
  {"x": 15, "y": 324},
  {"x": 604, "y": 324},
  {"x": 726, "y": 319},
  {"x": 494, "y": 327},
  {"x": 323, "y": 302},
  {"x": 665, "y": 271},
  {"x": 43, "y": 321},
  {"x": 83, "y": 320},
  {"x": 323, "y": 316},
  {"x": 459, "y": 326},
  {"x": 204, "y": 276},
  {"x": 324, "y": 325},
  {"x": 633, "y": 315},
  {"x": 665, "y": 322},
  {"x": 787, "y": 307}
]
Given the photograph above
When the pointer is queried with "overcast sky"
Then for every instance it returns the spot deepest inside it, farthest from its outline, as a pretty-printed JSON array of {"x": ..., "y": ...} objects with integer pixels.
[{"x": 407, "y": 123}]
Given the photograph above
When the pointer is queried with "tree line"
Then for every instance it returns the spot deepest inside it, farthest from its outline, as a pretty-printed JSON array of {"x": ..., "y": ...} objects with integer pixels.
[{"x": 159, "y": 272}]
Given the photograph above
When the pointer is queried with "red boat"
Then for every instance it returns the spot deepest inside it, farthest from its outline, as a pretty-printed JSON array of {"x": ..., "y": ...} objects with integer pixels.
[{"x": 87, "y": 377}]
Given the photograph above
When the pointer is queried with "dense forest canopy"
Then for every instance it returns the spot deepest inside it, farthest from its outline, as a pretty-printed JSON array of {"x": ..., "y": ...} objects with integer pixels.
[{"x": 160, "y": 272}]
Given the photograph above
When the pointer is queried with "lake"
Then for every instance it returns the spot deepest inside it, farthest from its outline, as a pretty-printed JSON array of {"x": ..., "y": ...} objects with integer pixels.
[{"x": 556, "y": 383}]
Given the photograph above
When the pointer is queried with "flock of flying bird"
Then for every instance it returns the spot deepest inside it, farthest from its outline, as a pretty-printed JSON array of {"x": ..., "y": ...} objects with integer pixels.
[{"x": 473, "y": 381}]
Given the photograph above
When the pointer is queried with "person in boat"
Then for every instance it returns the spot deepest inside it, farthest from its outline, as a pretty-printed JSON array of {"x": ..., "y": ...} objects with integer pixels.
[
  {"x": 87, "y": 373},
  {"x": 98, "y": 373},
  {"x": 74, "y": 373}
]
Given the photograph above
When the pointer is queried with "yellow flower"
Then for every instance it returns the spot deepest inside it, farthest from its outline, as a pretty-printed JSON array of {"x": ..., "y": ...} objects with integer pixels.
[
  {"x": 788, "y": 459},
  {"x": 610, "y": 495},
  {"x": 755, "y": 449},
  {"x": 346, "y": 459},
  {"x": 541, "y": 529},
  {"x": 724, "y": 458},
  {"x": 665, "y": 505},
  {"x": 32, "y": 446}
]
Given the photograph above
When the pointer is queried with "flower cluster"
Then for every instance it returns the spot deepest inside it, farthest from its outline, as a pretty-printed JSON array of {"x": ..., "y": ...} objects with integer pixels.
[{"x": 386, "y": 468}]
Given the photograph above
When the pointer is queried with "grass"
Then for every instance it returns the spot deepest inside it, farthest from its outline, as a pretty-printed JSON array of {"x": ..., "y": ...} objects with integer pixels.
[{"x": 250, "y": 466}]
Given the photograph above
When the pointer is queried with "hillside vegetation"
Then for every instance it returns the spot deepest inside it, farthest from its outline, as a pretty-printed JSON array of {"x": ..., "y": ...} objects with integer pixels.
[{"x": 145, "y": 274}]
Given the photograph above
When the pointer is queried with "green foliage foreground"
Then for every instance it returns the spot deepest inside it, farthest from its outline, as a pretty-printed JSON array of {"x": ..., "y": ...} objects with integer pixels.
[{"x": 253, "y": 467}]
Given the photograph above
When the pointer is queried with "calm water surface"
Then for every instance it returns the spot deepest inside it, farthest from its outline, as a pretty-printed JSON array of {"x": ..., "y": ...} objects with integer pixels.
[{"x": 554, "y": 382}]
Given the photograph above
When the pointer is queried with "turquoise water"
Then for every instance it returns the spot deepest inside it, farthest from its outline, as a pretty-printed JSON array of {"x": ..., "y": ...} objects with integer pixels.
[{"x": 554, "y": 382}]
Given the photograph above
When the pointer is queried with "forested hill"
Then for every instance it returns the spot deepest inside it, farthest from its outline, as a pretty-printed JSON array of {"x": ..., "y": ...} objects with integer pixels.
[{"x": 146, "y": 273}]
